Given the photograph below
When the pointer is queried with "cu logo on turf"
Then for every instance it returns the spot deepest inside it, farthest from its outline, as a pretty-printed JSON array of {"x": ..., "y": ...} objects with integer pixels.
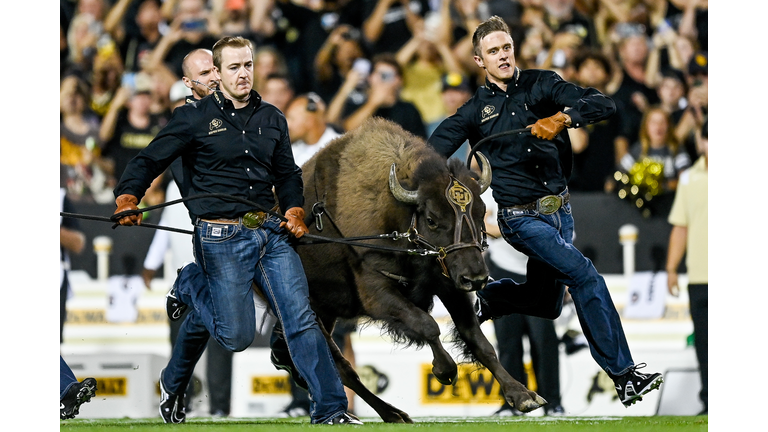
[
  {"x": 215, "y": 124},
  {"x": 488, "y": 110}
]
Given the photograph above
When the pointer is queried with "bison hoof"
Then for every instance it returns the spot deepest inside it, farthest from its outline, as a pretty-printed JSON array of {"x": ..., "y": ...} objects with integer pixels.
[
  {"x": 447, "y": 381},
  {"x": 397, "y": 417},
  {"x": 530, "y": 404}
]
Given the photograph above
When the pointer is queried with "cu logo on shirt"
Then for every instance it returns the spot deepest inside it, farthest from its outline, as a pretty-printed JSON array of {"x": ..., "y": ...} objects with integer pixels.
[
  {"x": 215, "y": 124},
  {"x": 488, "y": 110}
]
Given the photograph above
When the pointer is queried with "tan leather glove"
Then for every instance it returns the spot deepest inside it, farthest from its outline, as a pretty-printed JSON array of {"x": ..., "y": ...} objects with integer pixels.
[
  {"x": 295, "y": 224},
  {"x": 548, "y": 128},
  {"x": 128, "y": 202}
]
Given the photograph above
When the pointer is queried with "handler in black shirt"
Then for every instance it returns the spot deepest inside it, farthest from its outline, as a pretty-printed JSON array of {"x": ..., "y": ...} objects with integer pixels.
[
  {"x": 231, "y": 142},
  {"x": 530, "y": 178}
]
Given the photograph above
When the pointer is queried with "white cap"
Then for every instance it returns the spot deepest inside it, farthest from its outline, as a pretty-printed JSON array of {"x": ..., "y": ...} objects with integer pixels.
[{"x": 179, "y": 91}]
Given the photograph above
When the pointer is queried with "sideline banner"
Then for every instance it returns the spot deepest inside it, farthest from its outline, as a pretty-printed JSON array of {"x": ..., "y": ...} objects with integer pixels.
[{"x": 647, "y": 295}]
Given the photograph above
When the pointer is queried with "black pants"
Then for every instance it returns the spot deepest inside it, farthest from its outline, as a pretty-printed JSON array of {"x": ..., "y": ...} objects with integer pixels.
[
  {"x": 543, "y": 340},
  {"x": 218, "y": 373},
  {"x": 698, "y": 297}
]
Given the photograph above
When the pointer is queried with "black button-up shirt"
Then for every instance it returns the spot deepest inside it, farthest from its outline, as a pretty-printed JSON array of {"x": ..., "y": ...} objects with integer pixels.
[
  {"x": 240, "y": 152},
  {"x": 525, "y": 168}
]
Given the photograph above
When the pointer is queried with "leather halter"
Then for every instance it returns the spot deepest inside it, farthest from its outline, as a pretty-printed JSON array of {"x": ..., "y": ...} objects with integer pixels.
[{"x": 460, "y": 198}]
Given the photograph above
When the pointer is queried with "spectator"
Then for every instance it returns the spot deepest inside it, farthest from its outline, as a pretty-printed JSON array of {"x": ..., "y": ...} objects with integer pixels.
[
  {"x": 465, "y": 17},
  {"x": 106, "y": 78},
  {"x": 80, "y": 146},
  {"x": 689, "y": 219},
  {"x": 192, "y": 26},
  {"x": 136, "y": 47},
  {"x": 129, "y": 126},
  {"x": 633, "y": 93},
  {"x": 456, "y": 90},
  {"x": 277, "y": 89},
  {"x": 598, "y": 147},
  {"x": 382, "y": 99},
  {"x": 672, "y": 92},
  {"x": 664, "y": 56},
  {"x": 424, "y": 59},
  {"x": 307, "y": 127},
  {"x": 386, "y": 24},
  {"x": 82, "y": 37},
  {"x": 341, "y": 50},
  {"x": 569, "y": 29},
  {"x": 235, "y": 17},
  {"x": 698, "y": 101},
  {"x": 299, "y": 36},
  {"x": 267, "y": 61},
  {"x": 657, "y": 142},
  {"x": 691, "y": 19}
]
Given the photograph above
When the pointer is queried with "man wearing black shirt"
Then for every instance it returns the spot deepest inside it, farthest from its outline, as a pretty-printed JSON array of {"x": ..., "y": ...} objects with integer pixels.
[
  {"x": 530, "y": 174},
  {"x": 233, "y": 143}
]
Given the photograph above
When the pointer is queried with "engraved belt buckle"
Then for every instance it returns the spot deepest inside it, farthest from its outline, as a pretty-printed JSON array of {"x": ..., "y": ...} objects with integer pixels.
[
  {"x": 254, "y": 220},
  {"x": 549, "y": 204}
]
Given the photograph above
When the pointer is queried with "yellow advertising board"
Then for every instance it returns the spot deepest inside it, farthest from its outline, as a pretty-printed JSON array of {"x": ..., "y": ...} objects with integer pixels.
[{"x": 474, "y": 385}]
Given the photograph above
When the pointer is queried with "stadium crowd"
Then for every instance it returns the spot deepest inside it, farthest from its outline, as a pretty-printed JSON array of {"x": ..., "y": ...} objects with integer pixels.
[{"x": 397, "y": 59}]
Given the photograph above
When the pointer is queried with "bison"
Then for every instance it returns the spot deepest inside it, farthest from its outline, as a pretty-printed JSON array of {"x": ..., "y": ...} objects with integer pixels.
[{"x": 380, "y": 179}]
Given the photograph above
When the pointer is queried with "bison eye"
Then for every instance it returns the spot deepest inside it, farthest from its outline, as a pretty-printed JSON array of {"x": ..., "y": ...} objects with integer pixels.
[{"x": 431, "y": 222}]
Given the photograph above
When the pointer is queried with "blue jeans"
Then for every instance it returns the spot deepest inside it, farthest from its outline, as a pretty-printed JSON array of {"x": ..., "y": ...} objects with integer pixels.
[
  {"x": 66, "y": 377},
  {"x": 217, "y": 288},
  {"x": 554, "y": 262}
]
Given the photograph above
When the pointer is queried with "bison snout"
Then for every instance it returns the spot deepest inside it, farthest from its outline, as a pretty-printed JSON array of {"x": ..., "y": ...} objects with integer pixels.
[{"x": 473, "y": 284}]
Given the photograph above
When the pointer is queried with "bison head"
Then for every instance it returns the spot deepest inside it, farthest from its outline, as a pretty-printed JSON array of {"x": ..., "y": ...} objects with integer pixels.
[{"x": 449, "y": 217}]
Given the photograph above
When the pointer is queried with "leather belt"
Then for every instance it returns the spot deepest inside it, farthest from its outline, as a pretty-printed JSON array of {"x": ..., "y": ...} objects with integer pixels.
[
  {"x": 545, "y": 205},
  {"x": 251, "y": 220}
]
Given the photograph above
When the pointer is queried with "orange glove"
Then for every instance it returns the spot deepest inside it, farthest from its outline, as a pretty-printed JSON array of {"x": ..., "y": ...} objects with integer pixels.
[
  {"x": 548, "y": 128},
  {"x": 128, "y": 202},
  {"x": 295, "y": 224}
]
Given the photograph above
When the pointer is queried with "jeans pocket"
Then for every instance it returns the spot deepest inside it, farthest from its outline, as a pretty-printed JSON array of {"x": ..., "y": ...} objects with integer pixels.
[
  {"x": 217, "y": 233},
  {"x": 507, "y": 218},
  {"x": 567, "y": 207}
]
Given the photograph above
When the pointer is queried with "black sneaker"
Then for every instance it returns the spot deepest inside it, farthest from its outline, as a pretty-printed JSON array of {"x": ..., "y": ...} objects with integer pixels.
[
  {"x": 173, "y": 306},
  {"x": 344, "y": 419},
  {"x": 555, "y": 411},
  {"x": 633, "y": 385},
  {"x": 172, "y": 408},
  {"x": 278, "y": 364},
  {"x": 77, "y": 394}
]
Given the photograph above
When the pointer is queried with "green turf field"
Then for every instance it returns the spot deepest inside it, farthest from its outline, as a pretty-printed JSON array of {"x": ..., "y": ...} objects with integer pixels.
[{"x": 443, "y": 424}]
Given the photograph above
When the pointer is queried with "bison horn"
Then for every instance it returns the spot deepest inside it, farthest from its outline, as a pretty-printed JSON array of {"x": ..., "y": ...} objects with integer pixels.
[
  {"x": 485, "y": 173},
  {"x": 400, "y": 193}
]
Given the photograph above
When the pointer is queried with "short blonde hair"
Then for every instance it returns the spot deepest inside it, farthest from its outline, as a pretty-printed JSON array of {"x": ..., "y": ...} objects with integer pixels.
[
  {"x": 492, "y": 24},
  {"x": 231, "y": 42}
]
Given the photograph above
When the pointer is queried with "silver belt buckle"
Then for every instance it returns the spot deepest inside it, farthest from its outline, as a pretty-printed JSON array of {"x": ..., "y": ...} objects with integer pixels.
[{"x": 550, "y": 204}]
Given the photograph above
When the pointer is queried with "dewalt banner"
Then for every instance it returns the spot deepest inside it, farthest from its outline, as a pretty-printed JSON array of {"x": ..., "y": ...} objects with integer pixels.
[{"x": 474, "y": 385}]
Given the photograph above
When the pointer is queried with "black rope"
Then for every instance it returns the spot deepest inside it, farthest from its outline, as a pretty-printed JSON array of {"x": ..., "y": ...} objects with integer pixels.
[
  {"x": 352, "y": 241},
  {"x": 473, "y": 150}
]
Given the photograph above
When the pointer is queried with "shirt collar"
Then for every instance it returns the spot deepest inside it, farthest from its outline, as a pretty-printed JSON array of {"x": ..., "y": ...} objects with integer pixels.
[
  {"x": 495, "y": 88},
  {"x": 223, "y": 102}
]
